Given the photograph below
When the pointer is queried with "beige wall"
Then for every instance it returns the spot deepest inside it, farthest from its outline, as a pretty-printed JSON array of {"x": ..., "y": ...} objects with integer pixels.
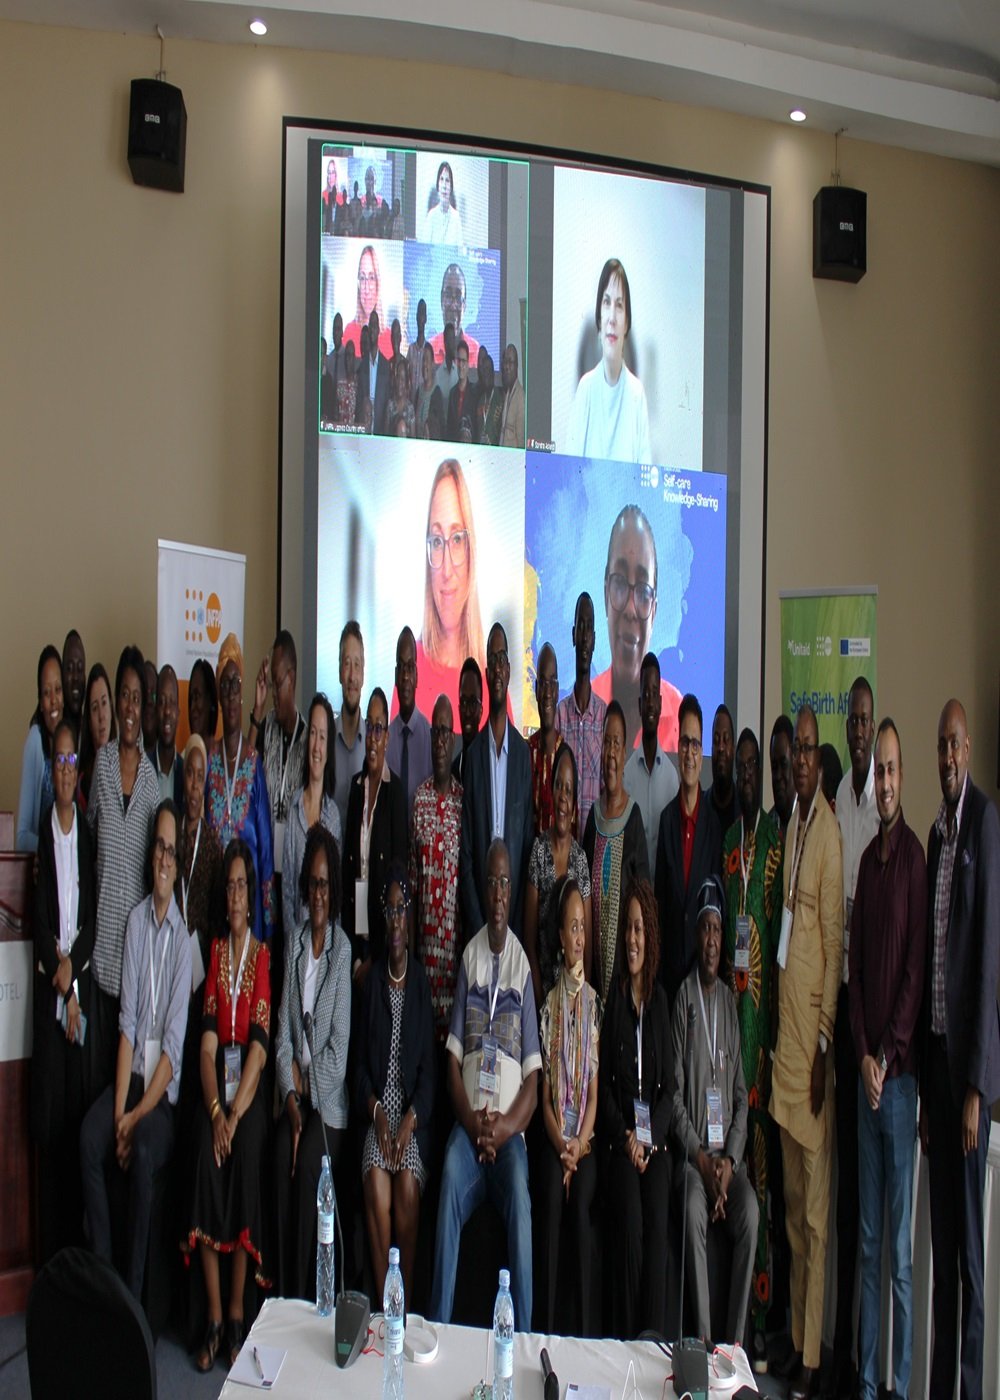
[{"x": 138, "y": 394}]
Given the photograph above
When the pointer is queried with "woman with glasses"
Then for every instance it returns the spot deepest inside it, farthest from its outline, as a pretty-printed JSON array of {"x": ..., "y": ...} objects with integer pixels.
[
  {"x": 123, "y": 798},
  {"x": 375, "y": 836},
  {"x": 97, "y": 728},
  {"x": 36, "y": 763},
  {"x": 369, "y": 299},
  {"x": 236, "y": 802},
  {"x": 394, "y": 1088},
  {"x": 609, "y": 417},
  {"x": 452, "y": 626},
  {"x": 65, "y": 906},
  {"x": 227, "y": 1209},
  {"x": 615, "y": 846},
  {"x": 311, "y": 1069},
  {"x": 313, "y": 804}
]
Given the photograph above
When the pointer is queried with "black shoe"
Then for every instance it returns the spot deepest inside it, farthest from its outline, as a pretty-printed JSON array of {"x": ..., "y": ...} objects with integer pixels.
[
  {"x": 235, "y": 1336},
  {"x": 787, "y": 1362},
  {"x": 205, "y": 1359},
  {"x": 841, "y": 1380}
]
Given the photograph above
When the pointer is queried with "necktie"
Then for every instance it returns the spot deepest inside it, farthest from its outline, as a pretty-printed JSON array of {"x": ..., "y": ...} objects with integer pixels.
[{"x": 405, "y": 765}]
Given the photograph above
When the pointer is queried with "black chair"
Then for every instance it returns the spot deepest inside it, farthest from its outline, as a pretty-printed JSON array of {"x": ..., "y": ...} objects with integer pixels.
[{"x": 85, "y": 1330}]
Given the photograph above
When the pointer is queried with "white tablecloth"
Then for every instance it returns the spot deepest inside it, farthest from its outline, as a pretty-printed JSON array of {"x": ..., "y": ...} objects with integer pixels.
[{"x": 309, "y": 1369}]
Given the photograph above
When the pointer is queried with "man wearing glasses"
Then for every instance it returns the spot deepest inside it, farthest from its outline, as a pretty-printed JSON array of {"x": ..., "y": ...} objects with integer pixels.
[
  {"x": 810, "y": 962},
  {"x": 630, "y": 581},
  {"x": 687, "y": 853},
  {"x": 496, "y": 801}
]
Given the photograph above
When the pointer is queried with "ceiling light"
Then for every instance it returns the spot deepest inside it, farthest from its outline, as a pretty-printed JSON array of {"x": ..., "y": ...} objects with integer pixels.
[
  {"x": 258, "y": 27},
  {"x": 796, "y": 114}
]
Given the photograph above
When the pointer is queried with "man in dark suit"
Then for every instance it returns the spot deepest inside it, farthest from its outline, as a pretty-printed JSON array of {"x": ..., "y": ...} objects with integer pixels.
[
  {"x": 960, "y": 1061},
  {"x": 496, "y": 800},
  {"x": 470, "y": 711},
  {"x": 687, "y": 852},
  {"x": 462, "y": 399},
  {"x": 375, "y": 377}
]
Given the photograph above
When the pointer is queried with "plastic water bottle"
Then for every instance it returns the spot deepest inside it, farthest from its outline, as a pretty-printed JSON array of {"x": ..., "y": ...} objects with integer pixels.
[
  {"x": 324, "y": 1241},
  {"x": 393, "y": 1309},
  {"x": 503, "y": 1340}
]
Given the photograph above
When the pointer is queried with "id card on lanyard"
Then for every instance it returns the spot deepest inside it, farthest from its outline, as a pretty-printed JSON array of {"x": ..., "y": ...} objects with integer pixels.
[
  {"x": 643, "y": 1119},
  {"x": 713, "y": 1098},
  {"x": 489, "y": 1069},
  {"x": 788, "y": 910},
  {"x": 232, "y": 1065}
]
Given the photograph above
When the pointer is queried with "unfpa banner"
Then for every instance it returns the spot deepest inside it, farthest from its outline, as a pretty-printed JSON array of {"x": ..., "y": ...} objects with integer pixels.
[
  {"x": 199, "y": 600},
  {"x": 828, "y": 639}
]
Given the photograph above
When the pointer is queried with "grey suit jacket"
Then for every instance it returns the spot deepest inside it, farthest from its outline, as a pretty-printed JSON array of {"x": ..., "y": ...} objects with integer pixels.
[{"x": 331, "y": 1022}]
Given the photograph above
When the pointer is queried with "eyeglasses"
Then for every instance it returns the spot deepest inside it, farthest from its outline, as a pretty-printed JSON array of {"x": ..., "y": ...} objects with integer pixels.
[
  {"x": 498, "y": 882},
  {"x": 548, "y": 686},
  {"x": 458, "y": 549},
  {"x": 230, "y": 687},
  {"x": 855, "y": 722},
  {"x": 237, "y": 886},
  {"x": 163, "y": 851},
  {"x": 687, "y": 743},
  {"x": 440, "y": 733},
  {"x": 318, "y": 884},
  {"x": 367, "y": 279},
  {"x": 65, "y": 760},
  {"x": 801, "y": 749},
  {"x": 396, "y": 913},
  {"x": 643, "y": 594},
  {"x": 497, "y": 660},
  {"x": 747, "y": 768},
  {"x": 376, "y": 730}
]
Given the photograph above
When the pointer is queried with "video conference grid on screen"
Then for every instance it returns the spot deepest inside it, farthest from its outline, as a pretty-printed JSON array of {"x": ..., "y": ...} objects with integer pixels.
[{"x": 598, "y": 280}]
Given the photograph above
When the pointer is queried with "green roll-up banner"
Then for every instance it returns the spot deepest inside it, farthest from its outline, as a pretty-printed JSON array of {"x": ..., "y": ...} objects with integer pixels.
[{"x": 828, "y": 639}]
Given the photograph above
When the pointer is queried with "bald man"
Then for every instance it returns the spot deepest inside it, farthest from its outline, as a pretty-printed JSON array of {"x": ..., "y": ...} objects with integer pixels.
[{"x": 960, "y": 1063}]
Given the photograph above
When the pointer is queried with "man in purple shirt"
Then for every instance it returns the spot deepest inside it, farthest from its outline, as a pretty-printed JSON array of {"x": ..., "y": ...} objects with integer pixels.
[{"x": 886, "y": 951}]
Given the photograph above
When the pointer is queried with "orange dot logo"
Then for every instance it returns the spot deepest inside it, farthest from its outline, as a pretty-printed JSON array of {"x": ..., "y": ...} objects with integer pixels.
[{"x": 213, "y": 617}]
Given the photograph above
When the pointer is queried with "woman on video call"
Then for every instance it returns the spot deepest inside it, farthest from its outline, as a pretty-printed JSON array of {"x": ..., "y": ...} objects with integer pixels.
[
  {"x": 369, "y": 300},
  {"x": 609, "y": 417},
  {"x": 443, "y": 223}
]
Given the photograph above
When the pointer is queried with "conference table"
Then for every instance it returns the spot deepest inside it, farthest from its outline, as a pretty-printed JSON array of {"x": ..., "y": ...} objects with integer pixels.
[{"x": 463, "y": 1359}]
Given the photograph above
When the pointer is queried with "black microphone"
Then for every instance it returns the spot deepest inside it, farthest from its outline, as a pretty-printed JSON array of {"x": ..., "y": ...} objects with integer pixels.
[
  {"x": 689, "y": 1357},
  {"x": 550, "y": 1388}
]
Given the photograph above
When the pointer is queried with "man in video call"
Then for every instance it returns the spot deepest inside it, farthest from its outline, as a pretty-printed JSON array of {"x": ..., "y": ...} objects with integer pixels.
[
  {"x": 462, "y": 399},
  {"x": 452, "y": 311},
  {"x": 377, "y": 376},
  {"x": 415, "y": 351},
  {"x": 512, "y": 420},
  {"x": 446, "y": 374},
  {"x": 630, "y": 580}
]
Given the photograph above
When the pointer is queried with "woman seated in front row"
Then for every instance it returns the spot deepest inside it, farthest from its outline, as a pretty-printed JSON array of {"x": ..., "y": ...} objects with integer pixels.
[
  {"x": 227, "y": 1213},
  {"x": 395, "y": 1088},
  {"x": 570, "y": 1038},
  {"x": 636, "y": 1108},
  {"x": 311, "y": 1068}
]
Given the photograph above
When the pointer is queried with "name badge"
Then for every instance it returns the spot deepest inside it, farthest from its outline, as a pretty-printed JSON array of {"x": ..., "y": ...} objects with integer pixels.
[
  {"x": 713, "y": 1103},
  {"x": 571, "y": 1122},
  {"x": 151, "y": 1060},
  {"x": 489, "y": 1071},
  {"x": 231, "y": 1071},
  {"x": 361, "y": 908},
  {"x": 741, "y": 956},
  {"x": 643, "y": 1124},
  {"x": 786, "y": 933},
  {"x": 279, "y": 845}
]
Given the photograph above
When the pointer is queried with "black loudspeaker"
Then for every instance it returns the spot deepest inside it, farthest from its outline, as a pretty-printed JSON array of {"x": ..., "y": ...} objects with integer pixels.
[
  {"x": 157, "y": 135},
  {"x": 840, "y": 234}
]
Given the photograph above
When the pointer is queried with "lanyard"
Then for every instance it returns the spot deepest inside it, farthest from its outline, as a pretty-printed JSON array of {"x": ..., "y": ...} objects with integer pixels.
[
  {"x": 155, "y": 985},
  {"x": 234, "y": 988},
  {"x": 496, "y": 992},
  {"x": 638, "y": 1044},
  {"x": 797, "y": 849},
  {"x": 284, "y": 766},
  {"x": 713, "y": 1041},
  {"x": 367, "y": 818},
  {"x": 231, "y": 786},
  {"x": 744, "y": 869},
  {"x": 186, "y": 884}
]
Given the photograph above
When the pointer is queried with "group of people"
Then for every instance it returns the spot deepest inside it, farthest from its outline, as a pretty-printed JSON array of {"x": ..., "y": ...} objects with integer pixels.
[
  {"x": 559, "y": 974},
  {"x": 357, "y": 215}
]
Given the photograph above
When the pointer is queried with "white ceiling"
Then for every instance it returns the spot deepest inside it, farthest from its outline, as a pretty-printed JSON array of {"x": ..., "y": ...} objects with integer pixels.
[{"x": 924, "y": 74}]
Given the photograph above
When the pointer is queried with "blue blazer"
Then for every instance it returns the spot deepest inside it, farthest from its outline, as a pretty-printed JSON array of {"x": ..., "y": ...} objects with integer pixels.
[
  {"x": 972, "y": 959},
  {"x": 477, "y": 828}
]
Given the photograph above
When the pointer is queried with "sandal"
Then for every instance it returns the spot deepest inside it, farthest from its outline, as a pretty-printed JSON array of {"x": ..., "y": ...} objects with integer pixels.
[
  {"x": 235, "y": 1336},
  {"x": 205, "y": 1359}
]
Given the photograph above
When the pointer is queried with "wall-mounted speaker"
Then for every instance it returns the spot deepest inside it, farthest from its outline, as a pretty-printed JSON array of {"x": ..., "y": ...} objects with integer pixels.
[
  {"x": 157, "y": 135},
  {"x": 840, "y": 234}
]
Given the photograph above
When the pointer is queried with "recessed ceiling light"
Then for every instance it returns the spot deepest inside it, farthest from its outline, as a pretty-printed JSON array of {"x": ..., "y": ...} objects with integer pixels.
[
  {"x": 796, "y": 114},
  {"x": 258, "y": 27}
]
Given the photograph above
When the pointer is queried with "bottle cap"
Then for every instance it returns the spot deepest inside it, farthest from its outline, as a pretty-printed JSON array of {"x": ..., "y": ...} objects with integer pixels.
[
  {"x": 504, "y": 1278},
  {"x": 393, "y": 1257}
]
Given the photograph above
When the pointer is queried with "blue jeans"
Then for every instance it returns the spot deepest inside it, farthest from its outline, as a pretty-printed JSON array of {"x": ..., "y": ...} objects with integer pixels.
[
  {"x": 465, "y": 1184},
  {"x": 885, "y": 1171}
]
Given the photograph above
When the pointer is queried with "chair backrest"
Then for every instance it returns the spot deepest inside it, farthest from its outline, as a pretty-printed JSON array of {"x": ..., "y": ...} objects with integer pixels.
[{"x": 86, "y": 1333}]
